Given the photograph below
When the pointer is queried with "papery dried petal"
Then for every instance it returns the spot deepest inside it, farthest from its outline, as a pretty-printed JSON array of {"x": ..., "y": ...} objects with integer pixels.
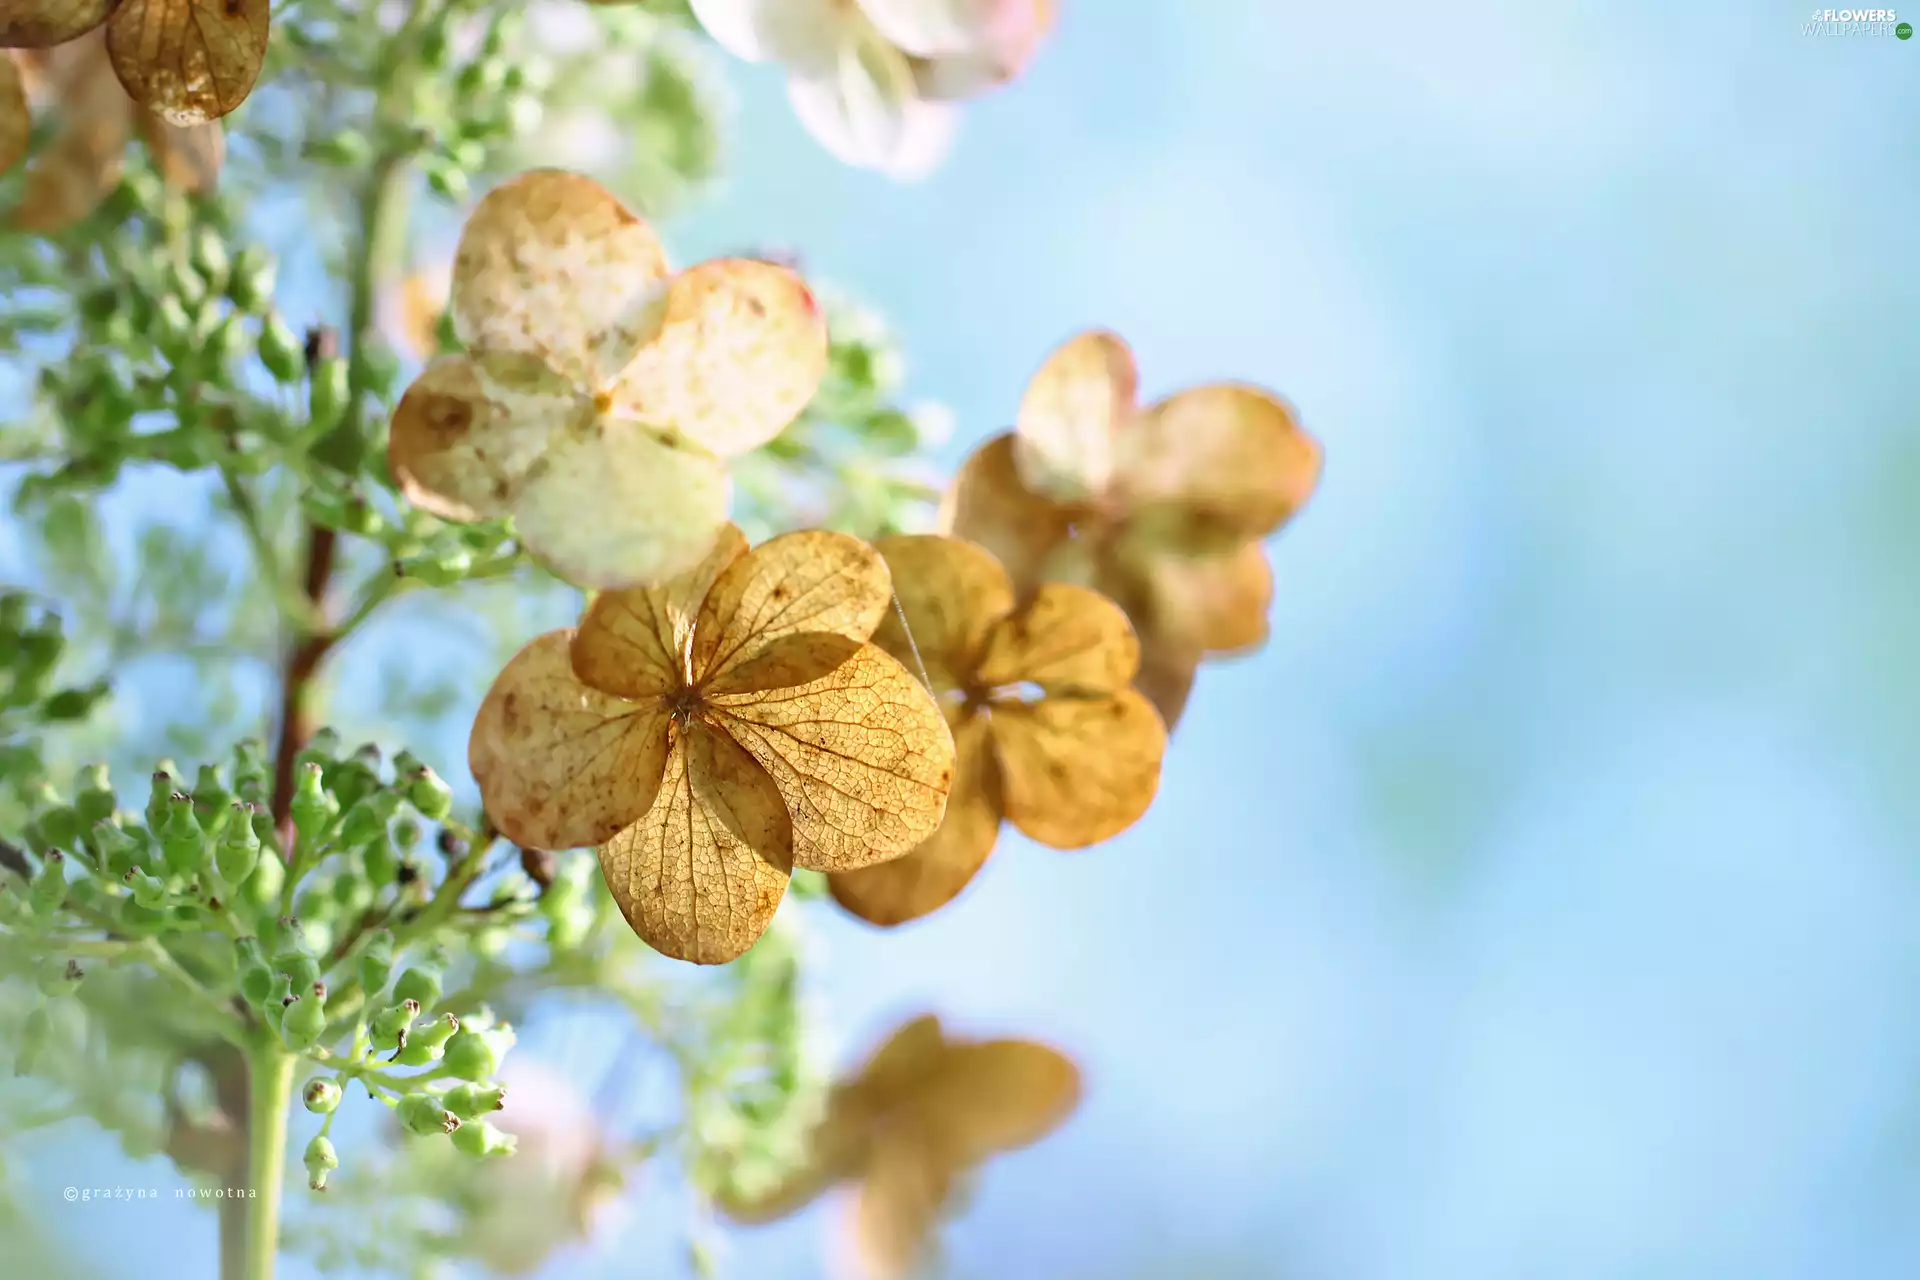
[
  {"x": 1064, "y": 443},
  {"x": 463, "y": 439},
  {"x": 561, "y": 765},
  {"x": 988, "y": 503},
  {"x": 42, "y": 24},
  {"x": 701, "y": 875},
  {"x": 1224, "y": 459},
  {"x": 809, "y": 583},
  {"x": 1066, "y": 639},
  {"x": 636, "y": 642},
  {"x": 1077, "y": 771},
  {"x": 189, "y": 61},
  {"x": 950, "y": 592}
]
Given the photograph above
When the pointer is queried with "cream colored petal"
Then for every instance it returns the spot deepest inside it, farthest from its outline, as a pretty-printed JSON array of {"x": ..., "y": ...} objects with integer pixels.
[
  {"x": 861, "y": 755},
  {"x": 553, "y": 265},
  {"x": 866, "y": 111},
  {"x": 988, "y": 504},
  {"x": 188, "y": 61},
  {"x": 991, "y": 1096},
  {"x": 1064, "y": 440},
  {"x": 636, "y": 643},
  {"x": 740, "y": 351},
  {"x": 561, "y": 765},
  {"x": 700, "y": 876},
  {"x": 800, "y": 34},
  {"x": 1077, "y": 771},
  {"x": 950, "y": 592},
  {"x": 938, "y": 868},
  {"x": 464, "y": 439},
  {"x": 811, "y": 583},
  {"x": 1002, "y": 53},
  {"x": 1217, "y": 462},
  {"x": 1065, "y": 639},
  {"x": 612, "y": 504}
]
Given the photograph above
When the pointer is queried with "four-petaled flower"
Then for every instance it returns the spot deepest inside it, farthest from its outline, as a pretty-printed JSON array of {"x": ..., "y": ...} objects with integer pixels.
[
  {"x": 1047, "y": 734},
  {"x": 600, "y": 395},
  {"x": 1161, "y": 509},
  {"x": 924, "y": 1110},
  {"x": 187, "y": 61},
  {"x": 713, "y": 732},
  {"x": 877, "y": 82},
  {"x": 81, "y": 165}
]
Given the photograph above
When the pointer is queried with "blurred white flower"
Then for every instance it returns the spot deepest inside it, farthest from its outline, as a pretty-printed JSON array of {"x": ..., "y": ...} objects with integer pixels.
[{"x": 877, "y": 82}]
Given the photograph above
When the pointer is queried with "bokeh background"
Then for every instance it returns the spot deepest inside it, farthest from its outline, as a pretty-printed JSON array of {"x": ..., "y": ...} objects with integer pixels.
[{"x": 1545, "y": 898}]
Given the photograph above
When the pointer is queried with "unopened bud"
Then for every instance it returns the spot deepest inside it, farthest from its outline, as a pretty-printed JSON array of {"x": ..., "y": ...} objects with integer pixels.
[
  {"x": 423, "y": 1114},
  {"x": 181, "y": 838},
  {"x": 482, "y": 1139},
  {"x": 320, "y": 1159},
  {"x": 238, "y": 851},
  {"x": 321, "y": 1095},
  {"x": 391, "y": 1025},
  {"x": 429, "y": 794},
  {"x": 420, "y": 983},
  {"x": 57, "y": 978},
  {"x": 471, "y": 1101}
]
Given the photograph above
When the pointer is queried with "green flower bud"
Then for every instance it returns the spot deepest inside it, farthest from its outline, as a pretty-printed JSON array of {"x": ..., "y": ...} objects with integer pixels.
[
  {"x": 321, "y": 1095},
  {"x": 407, "y": 832},
  {"x": 250, "y": 767},
  {"x": 305, "y": 1020},
  {"x": 379, "y": 861},
  {"x": 312, "y": 806},
  {"x": 49, "y": 889},
  {"x": 60, "y": 826},
  {"x": 238, "y": 852},
  {"x": 119, "y": 852},
  {"x": 431, "y": 796},
  {"x": 58, "y": 978},
  {"x": 279, "y": 999},
  {"x": 211, "y": 799},
  {"x": 426, "y": 1041},
  {"x": 326, "y": 394},
  {"x": 347, "y": 148},
  {"x": 94, "y": 801},
  {"x": 448, "y": 180},
  {"x": 392, "y": 1024},
  {"x": 320, "y": 1157},
  {"x": 157, "y": 797},
  {"x": 262, "y": 889},
  {"x": 471, "y": 1101},
  {"x": 302, "y": 971},
  {"x": 422, "y": 1114},
  {"x": 482, "y": 1139},
  {"x": 148, "y": 891},
  {"x": 440, "y": 568},
  {"x": 367, "y": 820},
  {"x": 181, "y": 838},
  {"x": 281, "y": 350},
  {"x": 420, "y": 984},
  {"x": 35, "y": 1032},
  {"x": 210, "y": 257},
  {"x": 470, "y": 1056},
  {"x": 376, "y": 963},
  {"x": 256, "y": 978},
  {"x": 250, "y": 285},
  {"x": 173, "y": 328}
]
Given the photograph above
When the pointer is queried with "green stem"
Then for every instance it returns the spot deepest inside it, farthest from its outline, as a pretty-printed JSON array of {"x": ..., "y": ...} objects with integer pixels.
[{"x": 270, "y": 1078}]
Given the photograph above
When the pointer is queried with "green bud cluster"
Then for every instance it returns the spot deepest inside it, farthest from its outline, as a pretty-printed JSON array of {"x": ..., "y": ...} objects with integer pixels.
[{"x": 31, "y": 645}]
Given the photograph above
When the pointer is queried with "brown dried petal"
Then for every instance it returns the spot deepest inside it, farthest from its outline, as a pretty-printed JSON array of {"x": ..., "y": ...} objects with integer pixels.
[
  {"x": 740, "y": 350},
  {"x": 951, "y": 591},
  {"x": 634, "y": 643},
  {"x": 463, "y": 441},
  {"x": 1072, "y": 410},
  {"x": 935, "y": 872},
  {"x": 992, "y": 1096},
  {"x": 551, "y": 264},
  {"x": 812, "y": 583},
  {"x": 988, "y": 504},
  {"x": 561, "y": 765},
  {"x": 861, "y": 755},
  {"x": 1217, "y": 603},
  {"x": 1077, "y": 771},
  {"x": 42, "y": 24},
  {"x": 1066, "y": 639},
  {"x": 16, "y": 120},
  {"x": 70, "y": 178},
  {"x": 189, "y": 61},
  {"x": 700, "y": 876},
  {"x": 899, "y": 1202},
  {"x": 1166, "y": 676},
  {"x": 1225, "y": 458}
]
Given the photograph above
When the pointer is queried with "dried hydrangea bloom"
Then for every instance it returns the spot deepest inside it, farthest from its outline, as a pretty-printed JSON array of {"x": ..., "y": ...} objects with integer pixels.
[
  {"x": 924, "y": 1111},
  {"x": 1047, "y": 733},
  {"x": 600, "y": 394},
  {"x": 711, "y": 733},
  {"x": 81, "y": 165},
  {"x": 1162, "y": 508},
  {"x": 877, "y": 81},
  {"x": 187, "y": 61}
]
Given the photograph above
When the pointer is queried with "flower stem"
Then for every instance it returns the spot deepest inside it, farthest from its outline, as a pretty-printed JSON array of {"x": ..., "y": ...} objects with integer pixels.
[{"x": 270, "y": 1071}]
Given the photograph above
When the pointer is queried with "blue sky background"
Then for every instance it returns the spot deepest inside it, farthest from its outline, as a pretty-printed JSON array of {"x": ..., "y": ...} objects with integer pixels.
[{"x": 1543, "y": 899}]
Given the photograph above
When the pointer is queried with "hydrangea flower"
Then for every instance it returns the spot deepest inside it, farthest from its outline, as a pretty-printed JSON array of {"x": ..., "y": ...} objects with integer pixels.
[
  {"x": 712, "y": 733},
  {"x": 1047, "y": 732},
  {"x": 1162, "y": 509},
  {"x": 600, "y": 394},
  {"x": 82, "y": 163},
  {"x": 923, "y": 1112},
  {"x": 187, "y": 61},
  {"x": 877, "y": 82}
]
